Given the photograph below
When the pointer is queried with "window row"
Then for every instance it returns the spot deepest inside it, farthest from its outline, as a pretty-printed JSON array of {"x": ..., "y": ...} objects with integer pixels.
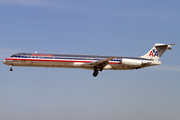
[{"x": 62, "y": 58}]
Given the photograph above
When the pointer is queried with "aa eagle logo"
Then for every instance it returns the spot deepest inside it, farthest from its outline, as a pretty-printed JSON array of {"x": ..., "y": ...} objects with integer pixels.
[{"x": 153, "y": 53}]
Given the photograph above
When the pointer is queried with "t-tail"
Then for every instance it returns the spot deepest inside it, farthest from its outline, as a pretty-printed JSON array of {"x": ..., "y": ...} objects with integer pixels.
[{"x": 157, "y": 51}]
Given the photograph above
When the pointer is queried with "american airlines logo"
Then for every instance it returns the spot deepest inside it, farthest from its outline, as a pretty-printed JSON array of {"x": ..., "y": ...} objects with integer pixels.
[
  {"x": 42, "y": 55},
  {"x": 153, "y": 53}
]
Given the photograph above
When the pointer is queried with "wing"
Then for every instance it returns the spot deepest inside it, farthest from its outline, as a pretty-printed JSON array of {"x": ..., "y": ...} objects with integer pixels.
[{"x": 98, "y": 64}]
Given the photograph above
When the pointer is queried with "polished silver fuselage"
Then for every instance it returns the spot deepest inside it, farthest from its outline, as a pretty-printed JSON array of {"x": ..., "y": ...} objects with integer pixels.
[
  {"x": 91, "y": 62},
  {"x": 65, "y": 61}
]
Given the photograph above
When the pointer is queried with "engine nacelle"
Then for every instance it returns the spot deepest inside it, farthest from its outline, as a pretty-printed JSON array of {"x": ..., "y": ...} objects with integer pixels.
[{"x": 134, "y": 63}]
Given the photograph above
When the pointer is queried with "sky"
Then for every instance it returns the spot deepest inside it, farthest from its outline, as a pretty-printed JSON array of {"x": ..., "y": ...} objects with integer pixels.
[{"x": 93, "y": 27}]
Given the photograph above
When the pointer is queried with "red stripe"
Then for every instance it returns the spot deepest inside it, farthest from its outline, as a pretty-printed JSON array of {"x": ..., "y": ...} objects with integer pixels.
[{"x": 54, "y": 60}]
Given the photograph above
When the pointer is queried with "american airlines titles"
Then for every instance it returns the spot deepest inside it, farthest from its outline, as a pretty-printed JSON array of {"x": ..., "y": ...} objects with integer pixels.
[{"x": 42, "y": 55}]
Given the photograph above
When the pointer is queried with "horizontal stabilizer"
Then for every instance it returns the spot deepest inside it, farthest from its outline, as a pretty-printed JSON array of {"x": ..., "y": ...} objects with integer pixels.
[
  {"x": 157, "y": 51},
  {"x": 164, "y": 45}
]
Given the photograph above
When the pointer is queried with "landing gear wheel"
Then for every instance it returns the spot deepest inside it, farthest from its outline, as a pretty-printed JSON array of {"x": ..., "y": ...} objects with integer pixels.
[
  {"x": 11, "y": 68},
  {"x": 95, "y": 73}
]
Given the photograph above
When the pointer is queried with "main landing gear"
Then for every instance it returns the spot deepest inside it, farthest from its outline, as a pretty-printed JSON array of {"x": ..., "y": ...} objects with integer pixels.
[{"x": 95, "y": 73}]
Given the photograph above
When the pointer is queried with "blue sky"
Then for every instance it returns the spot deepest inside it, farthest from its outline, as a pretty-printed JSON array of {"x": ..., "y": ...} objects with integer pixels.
[{"x": 95, "y": 27}]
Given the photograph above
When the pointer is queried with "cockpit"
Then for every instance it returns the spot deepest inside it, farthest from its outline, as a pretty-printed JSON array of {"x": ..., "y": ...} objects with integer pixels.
[
  {"x": 13, "y": 55},
  {"x": 18, "y": 55}
]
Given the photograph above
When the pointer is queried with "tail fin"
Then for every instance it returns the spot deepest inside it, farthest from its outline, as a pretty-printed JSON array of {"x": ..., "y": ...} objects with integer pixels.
[{"x": 157, "y": 51}]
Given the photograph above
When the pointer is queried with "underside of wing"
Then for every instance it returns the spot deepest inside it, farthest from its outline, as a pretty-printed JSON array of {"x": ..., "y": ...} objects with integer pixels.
[{"x": 98, "y": 64}]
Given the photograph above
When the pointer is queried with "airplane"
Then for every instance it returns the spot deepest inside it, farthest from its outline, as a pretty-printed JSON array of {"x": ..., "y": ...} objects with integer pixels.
[{"x": 91, "y": 62}]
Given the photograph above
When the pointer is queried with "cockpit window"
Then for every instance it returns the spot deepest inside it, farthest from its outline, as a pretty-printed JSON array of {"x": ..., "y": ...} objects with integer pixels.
[{"x": 13, "y": 55}]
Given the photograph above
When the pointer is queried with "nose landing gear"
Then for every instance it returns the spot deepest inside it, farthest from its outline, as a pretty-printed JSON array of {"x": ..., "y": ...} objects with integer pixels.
[{"x": 11, "y": 68}]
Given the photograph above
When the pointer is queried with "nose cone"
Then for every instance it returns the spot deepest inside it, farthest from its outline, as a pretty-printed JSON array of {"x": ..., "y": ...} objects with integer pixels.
[{"x": 4, "y": 61}]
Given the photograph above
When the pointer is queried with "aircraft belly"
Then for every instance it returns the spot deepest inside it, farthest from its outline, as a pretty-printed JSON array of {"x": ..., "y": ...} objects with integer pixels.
[
  {"x": 64, "y": 65},
  {"x": 120, "y": 67},
  {"x": 41, "y": 64}
]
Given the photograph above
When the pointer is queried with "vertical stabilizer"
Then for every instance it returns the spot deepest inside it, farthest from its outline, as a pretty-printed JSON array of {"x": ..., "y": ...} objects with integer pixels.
[{"x": 157, "y": 51}]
